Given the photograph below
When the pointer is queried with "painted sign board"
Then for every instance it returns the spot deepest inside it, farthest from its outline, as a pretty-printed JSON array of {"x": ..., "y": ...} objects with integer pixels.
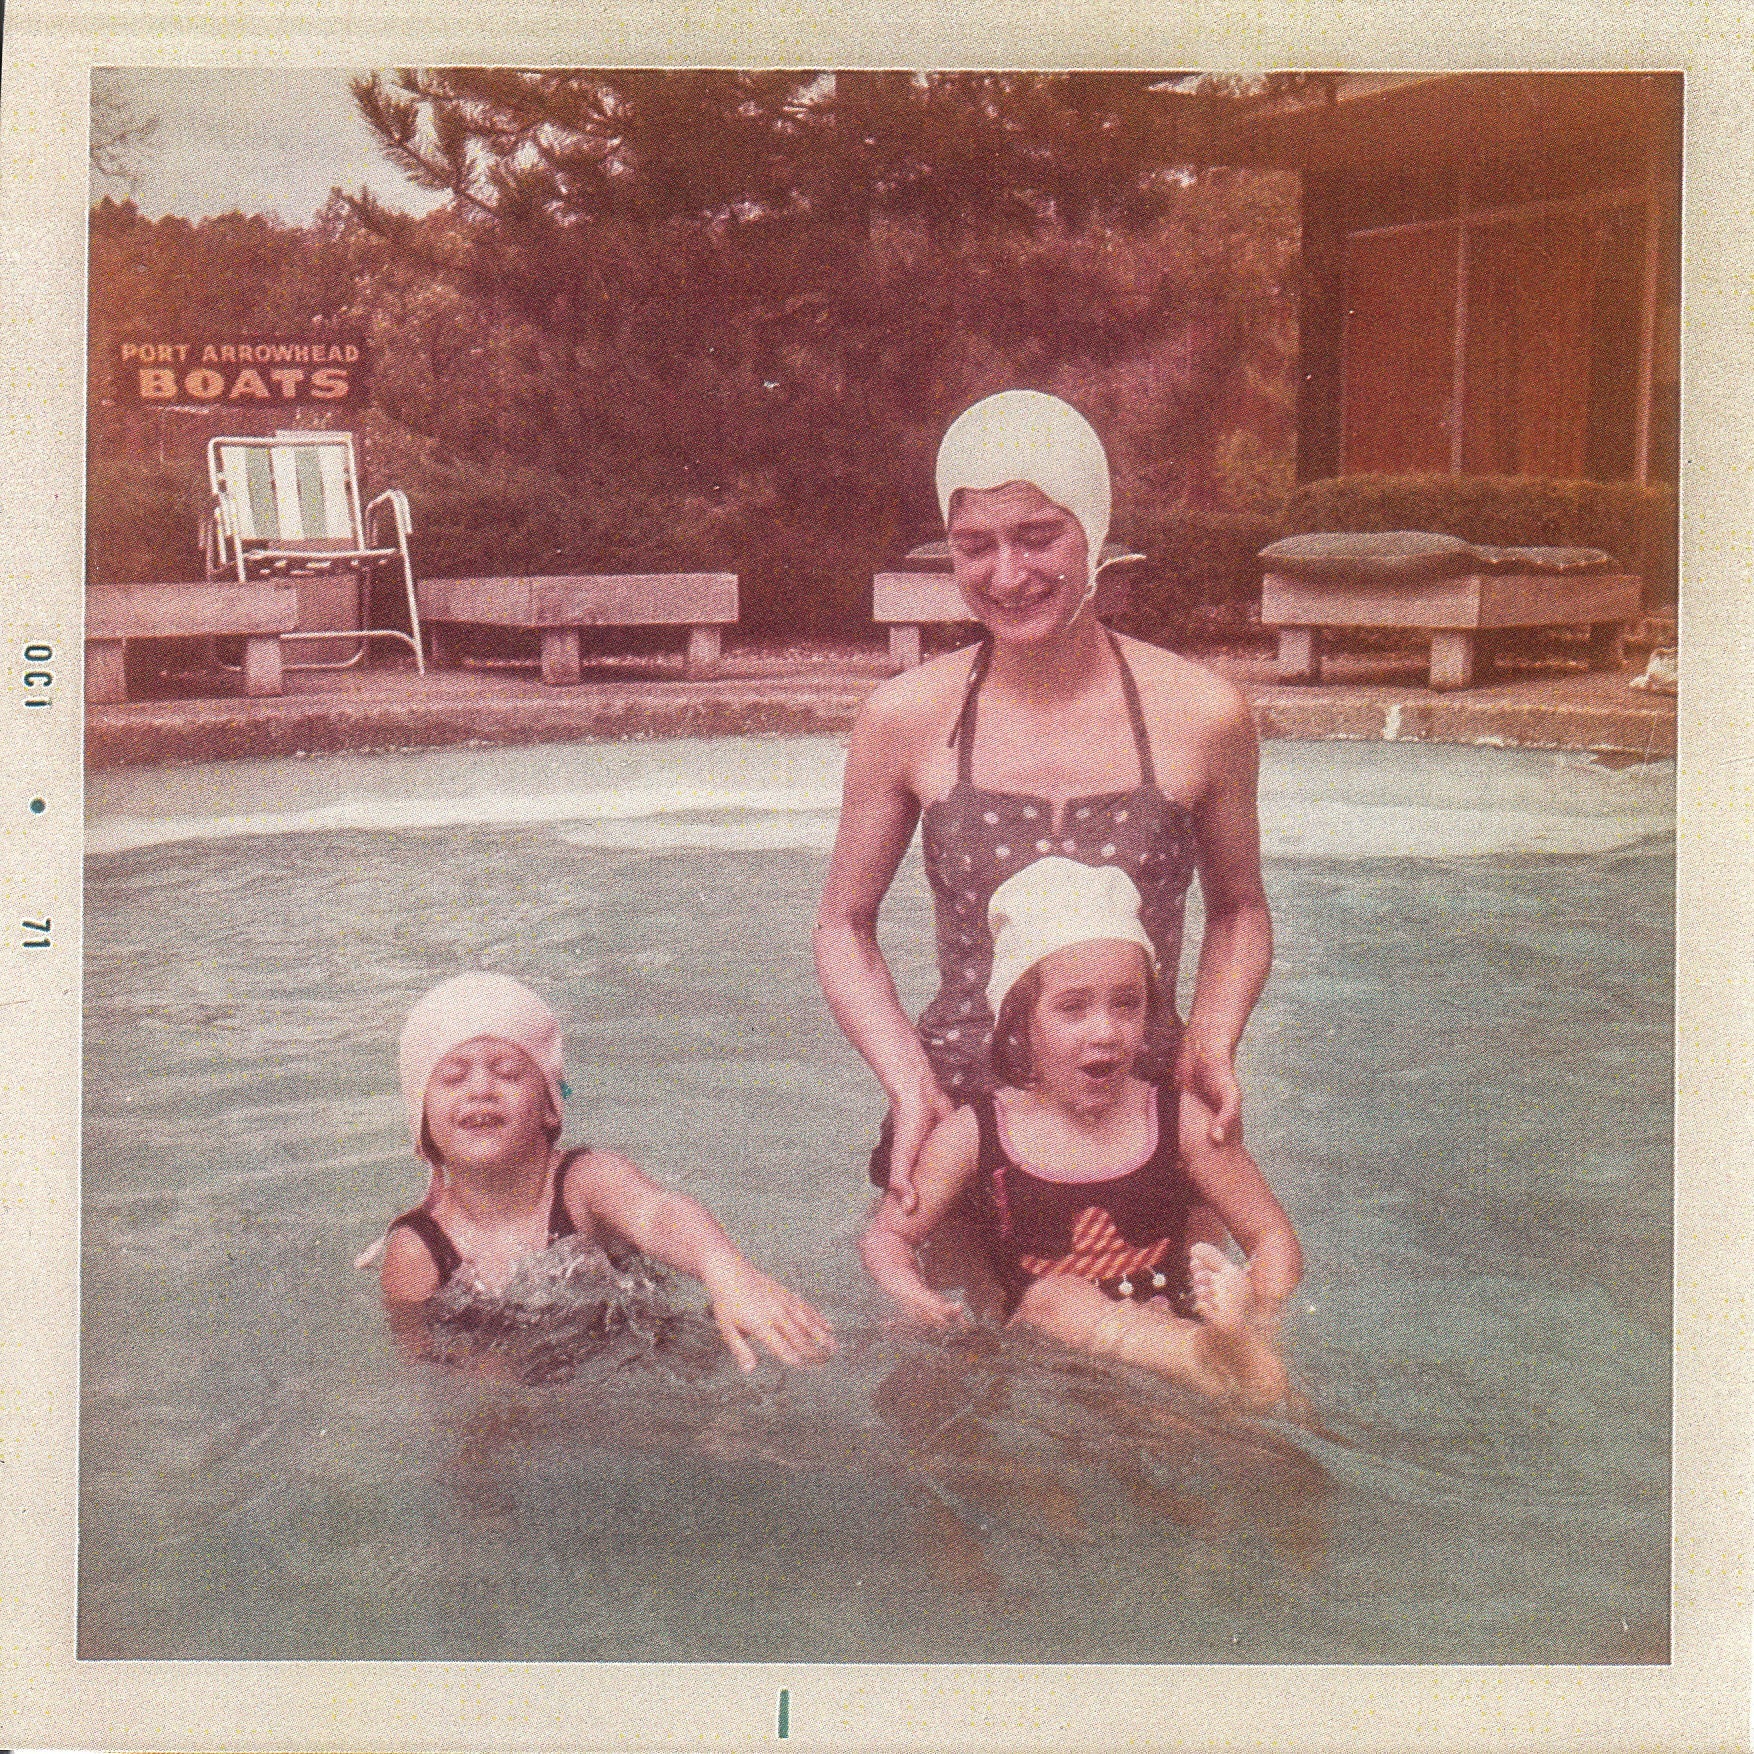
[{"x": 241, "y": 371}]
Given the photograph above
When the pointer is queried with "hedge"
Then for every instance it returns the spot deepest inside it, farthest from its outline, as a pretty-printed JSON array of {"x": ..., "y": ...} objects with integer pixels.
[
  {"x": 796, "y": 575},
  {"x": 143, "y": 521},
  {"x": 1200, "y": 582},
  {"x": 802, "y": 573}
]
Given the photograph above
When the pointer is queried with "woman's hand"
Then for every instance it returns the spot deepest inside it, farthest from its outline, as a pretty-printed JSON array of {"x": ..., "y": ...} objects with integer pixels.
[
  {"x": 1207, "y": 1070},
  {"x": 748, "y": 1305},
  {"x": 1236, "y": 943},
  {"x": 879, "y": 810},
  {"x": 914, "y": 1116}
]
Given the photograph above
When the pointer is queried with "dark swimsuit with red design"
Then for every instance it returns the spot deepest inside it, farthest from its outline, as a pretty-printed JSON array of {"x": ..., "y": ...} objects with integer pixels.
[
  {"x": 1127, "y": 1234},
  {"x": 446, "y": 1256}
]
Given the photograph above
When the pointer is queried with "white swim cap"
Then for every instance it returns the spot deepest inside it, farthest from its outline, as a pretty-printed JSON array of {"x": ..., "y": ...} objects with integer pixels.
[
  {"x": 1024, "y": 435},
  {"x": 1053, "y": 904},
  {"x": 462, "y": 1008}
]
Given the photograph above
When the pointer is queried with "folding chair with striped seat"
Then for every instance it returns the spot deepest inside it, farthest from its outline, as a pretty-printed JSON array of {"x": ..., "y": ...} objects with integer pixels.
[{"x": 289, "y": 506}]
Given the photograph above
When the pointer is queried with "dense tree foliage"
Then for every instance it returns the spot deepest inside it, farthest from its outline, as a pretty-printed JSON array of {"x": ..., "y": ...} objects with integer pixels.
[{"x": 719, "y": 319}]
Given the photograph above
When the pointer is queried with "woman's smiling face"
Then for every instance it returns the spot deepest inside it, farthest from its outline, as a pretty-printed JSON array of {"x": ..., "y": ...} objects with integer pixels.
[{"x": 1021, "y": 561}]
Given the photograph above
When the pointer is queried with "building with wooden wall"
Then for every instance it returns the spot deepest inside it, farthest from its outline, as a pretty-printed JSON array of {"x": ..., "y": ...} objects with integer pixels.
[{"x": 1490, "y": 271}]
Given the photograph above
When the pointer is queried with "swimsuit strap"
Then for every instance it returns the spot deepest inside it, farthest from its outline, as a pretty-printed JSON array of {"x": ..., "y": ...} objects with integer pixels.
[
  {"x": 559, "y": 1219},
  {"x": 962, "y": 732},
  {"x": 445, "y": 1255},
  {"x": 1135, "y": 713},
  {"x": 990, "y": 1160},
  {"x": 1168, "y": 1099}
]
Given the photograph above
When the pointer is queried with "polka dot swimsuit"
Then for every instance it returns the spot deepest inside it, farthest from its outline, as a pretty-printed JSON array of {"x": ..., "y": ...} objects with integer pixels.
[{"x": 974, "y": 839}]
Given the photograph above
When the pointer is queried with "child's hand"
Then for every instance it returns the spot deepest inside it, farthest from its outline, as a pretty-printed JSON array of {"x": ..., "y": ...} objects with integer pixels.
[{"x": 749, "y": 1305}]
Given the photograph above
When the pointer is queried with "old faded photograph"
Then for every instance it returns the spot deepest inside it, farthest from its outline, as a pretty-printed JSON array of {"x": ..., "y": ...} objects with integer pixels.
[{"x": 879, "y": 866}]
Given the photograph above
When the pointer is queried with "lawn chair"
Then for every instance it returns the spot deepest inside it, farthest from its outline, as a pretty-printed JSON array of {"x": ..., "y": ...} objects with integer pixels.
[{"x": 288, "y": 507}]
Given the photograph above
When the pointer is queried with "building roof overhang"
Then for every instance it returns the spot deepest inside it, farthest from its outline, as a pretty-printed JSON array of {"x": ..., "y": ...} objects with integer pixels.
[{"x": 1381, "y": 121}]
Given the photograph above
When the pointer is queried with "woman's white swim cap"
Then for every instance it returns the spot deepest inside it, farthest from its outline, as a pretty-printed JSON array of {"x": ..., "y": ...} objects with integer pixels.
[
  {"x": 1024, "y": 435},
  {"x": 1053, "y": 904}
]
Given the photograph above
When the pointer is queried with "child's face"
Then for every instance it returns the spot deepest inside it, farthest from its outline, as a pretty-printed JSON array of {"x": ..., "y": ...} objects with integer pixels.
[
  {"x": 487, "y": 1104},
  {"x": 1088, "y": 1025}
]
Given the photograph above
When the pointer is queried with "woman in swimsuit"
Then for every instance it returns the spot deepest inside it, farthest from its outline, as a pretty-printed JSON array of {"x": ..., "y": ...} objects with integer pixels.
[
  {"x": 481, "y": 1077},
  {"x": 1054, "y": 736},
  {"x": 1074, "y": 1163}
]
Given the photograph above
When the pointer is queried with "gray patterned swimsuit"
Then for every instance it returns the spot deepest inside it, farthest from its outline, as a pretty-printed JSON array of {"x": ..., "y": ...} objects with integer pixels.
[{"x": 974, "y": 839}]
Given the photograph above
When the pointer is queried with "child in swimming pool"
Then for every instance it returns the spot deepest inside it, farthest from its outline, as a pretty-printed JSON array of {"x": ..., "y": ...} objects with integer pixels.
[
  {"x": 480, "y": 1060},
  {"x": 1091, "y": 1183}
]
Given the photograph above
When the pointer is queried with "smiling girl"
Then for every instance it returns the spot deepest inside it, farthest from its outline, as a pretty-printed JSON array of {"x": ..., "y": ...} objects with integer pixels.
[
  {"x": 1090, "y": 1180},
  {"x": 480, "y": 1059}
]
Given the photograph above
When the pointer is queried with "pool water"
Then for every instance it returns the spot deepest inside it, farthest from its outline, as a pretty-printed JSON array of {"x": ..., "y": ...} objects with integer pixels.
[{"x": 1458, "y": 1081}]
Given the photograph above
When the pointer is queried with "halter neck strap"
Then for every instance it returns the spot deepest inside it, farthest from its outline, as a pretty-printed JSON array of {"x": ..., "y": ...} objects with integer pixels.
[
  {"x": 962, "y": 732},
  {"x": 1135, "y": 712}
]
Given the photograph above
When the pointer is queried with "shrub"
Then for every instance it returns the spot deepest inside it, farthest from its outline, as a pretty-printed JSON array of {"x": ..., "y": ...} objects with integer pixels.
[
  {"x": 143, "y": 521},
  {"x": 797, "y": 575},
  {"x": 1637, "y": 525},
  {"x": 1201, "y": 579}
]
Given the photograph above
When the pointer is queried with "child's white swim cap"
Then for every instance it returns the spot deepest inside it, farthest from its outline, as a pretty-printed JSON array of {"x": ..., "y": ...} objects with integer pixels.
[
  {"x": 462, "y": 1008},
  {"x": 1053, "y": 904},
  {"x": 1024, "y": 435}
]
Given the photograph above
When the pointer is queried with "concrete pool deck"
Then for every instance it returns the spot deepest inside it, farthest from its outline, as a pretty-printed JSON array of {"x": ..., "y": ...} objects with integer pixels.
[{"x": 807, "y": 688}]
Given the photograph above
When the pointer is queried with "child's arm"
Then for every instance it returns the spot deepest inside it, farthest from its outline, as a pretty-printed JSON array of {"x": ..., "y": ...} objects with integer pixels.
[
  {"x": 408, "y": 1273},
  {"x": 945, "y": 1163},
  {"x": 1228, "y": 1179},
  {"x": 682, "y": 1233}
]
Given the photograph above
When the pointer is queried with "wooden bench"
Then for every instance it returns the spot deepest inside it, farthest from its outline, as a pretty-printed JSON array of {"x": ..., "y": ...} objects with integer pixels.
[
  {"x": 907, "y": 601},
  {"x": 560, "y": 607},
  {"x": 1455, "y": 611},
  {"x": 115, "y": 614}
]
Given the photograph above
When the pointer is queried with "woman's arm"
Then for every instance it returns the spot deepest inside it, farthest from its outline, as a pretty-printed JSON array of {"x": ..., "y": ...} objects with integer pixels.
[
  {"x": 890, "y": 1239},
  {"x": 682, "y": 1233},
  {"x": 1236, "y": 950},
  {"x": 879, "y": 811}
]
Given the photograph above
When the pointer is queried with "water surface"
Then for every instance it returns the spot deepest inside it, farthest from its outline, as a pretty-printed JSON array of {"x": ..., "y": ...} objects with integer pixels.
[{"x": 1458, "y": 1081}]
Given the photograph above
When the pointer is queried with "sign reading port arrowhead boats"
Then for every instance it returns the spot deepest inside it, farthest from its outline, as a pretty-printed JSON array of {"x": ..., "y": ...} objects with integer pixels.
[{"x": 242, "y": 371}]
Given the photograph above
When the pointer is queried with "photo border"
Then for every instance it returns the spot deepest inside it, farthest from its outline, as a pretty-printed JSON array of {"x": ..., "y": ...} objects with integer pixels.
[{"x": 49, "y": 1698}]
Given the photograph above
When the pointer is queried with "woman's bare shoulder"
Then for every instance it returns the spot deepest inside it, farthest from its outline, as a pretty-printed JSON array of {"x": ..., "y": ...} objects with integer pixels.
[
  {"x": 917, "y": 702},
  {"x": 1171, "y": 683}
]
